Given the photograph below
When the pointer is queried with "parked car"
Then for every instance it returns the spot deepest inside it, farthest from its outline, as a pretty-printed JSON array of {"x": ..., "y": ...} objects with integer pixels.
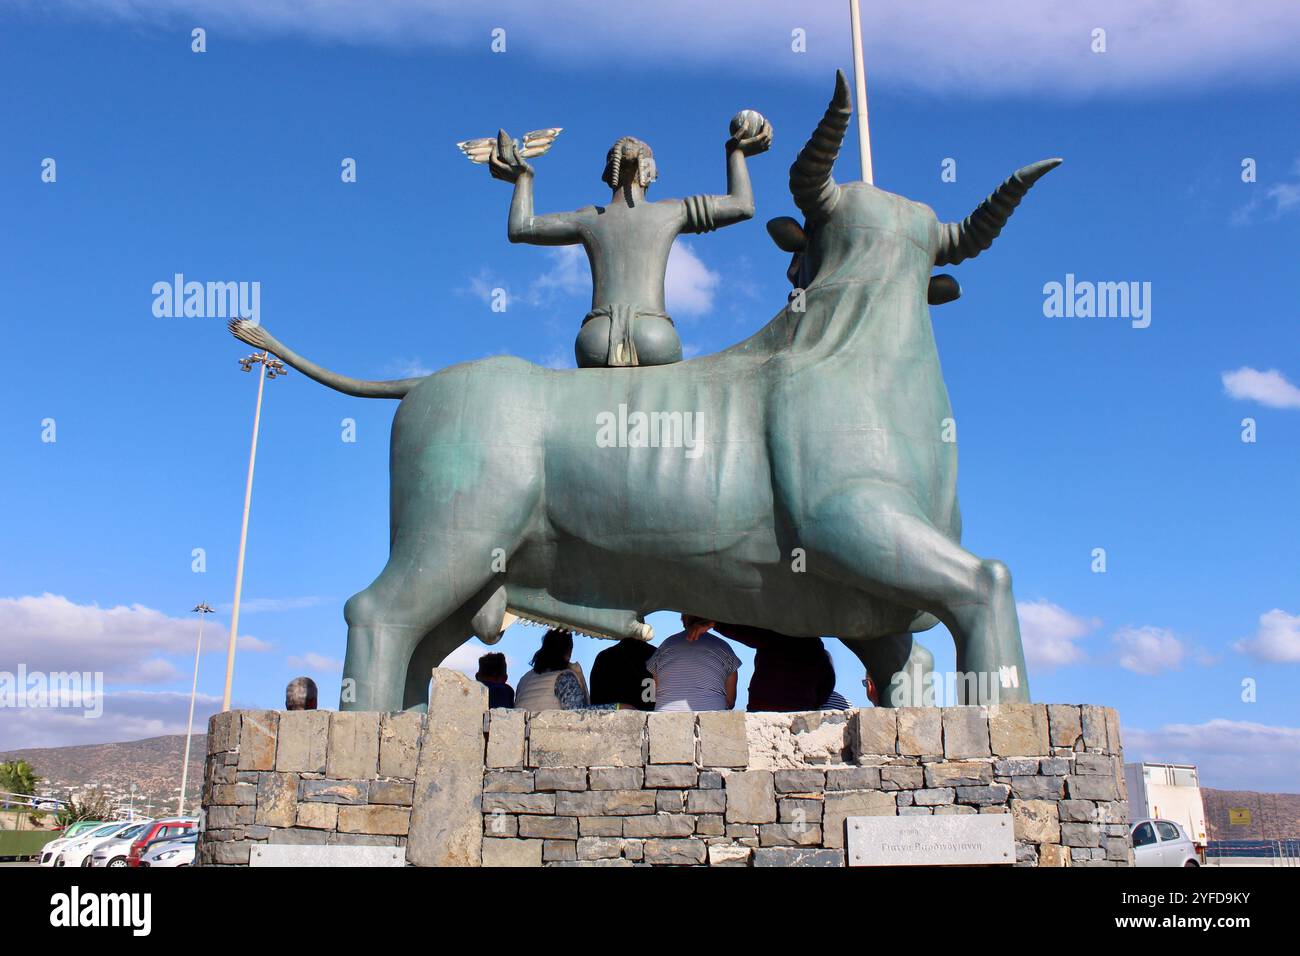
[
  {"x": 71, "y": 832},
  {"x": 82, "y": 826},
  {"x": 1162, "y": 843},
  {"x": 173, "y": 851},
  {"x": 51, "y": 849},
  {"x": 159, "y": 830},
  {"x": 114, "y": 850},
  {"x": 80, "y": 848}
]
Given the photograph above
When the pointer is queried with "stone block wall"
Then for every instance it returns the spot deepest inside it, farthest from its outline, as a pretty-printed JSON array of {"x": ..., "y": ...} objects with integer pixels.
[
  {"x": 469, "y": 787},
  {"x": 307, "y": 777}
]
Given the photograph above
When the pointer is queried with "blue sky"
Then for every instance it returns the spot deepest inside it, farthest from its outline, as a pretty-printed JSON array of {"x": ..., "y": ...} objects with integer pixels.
[{"x": 1074, "y": 433}]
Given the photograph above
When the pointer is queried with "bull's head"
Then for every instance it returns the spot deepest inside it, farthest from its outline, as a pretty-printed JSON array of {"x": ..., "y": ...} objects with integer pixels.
[{"x": 833, "y": 211}]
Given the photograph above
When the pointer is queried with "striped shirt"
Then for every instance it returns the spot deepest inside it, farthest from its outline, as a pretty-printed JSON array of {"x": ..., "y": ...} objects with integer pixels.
[
  {"x": 836, "y": 701},
  {"x": 692, "y": 675}
]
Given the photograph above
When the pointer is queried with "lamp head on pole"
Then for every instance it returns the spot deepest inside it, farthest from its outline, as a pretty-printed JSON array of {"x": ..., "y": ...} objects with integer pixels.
[
  {"x": 202, "y": 608},
  {"x": 274, "y": 366}
]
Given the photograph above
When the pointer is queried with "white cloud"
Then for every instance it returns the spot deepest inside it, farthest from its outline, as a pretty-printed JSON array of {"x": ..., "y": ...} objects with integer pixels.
[
  {"x": 317, "y": 663},
  {"x": 689, "y": 284},
  {"x": 570, "y": 274},
  {"x": 130, "y": 715},
  {"x": 1269, "y": 388},
  {"x": 949, "y": 46},
  {"x": 1049, "y": 633},
  {"x": 1148, "y": 650},
  {"x": 488, "y": 288},
  {"x": 1283, "y": 196},
  {"x": 1278, "y": 638},
  {"x": 128, "y": 644},
  {"x": 558, "y": 359},
  {"x": 408, "y": 368},
  {"x": 1231, "y": 754}
]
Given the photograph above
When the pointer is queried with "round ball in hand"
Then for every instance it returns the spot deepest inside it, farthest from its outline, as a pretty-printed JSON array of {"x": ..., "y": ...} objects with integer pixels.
[{"x": 746, "y": 123}]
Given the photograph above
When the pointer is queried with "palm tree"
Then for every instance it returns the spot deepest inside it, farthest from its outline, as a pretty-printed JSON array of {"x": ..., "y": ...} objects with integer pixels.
[{"x": 17, "y": 777}]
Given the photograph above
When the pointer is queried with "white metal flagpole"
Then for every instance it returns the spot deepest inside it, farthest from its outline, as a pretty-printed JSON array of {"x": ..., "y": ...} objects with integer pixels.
[{"x": 860, "y": 93}]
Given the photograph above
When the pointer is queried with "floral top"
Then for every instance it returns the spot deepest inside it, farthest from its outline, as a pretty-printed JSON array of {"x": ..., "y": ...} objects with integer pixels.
[{"x": 568, "y": 691}]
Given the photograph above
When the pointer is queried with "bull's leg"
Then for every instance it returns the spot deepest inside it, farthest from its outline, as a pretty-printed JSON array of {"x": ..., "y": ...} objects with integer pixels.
[
  {"x": 875, "y": 541},
  {"x": 419, "y": 589},
  {"x": 899, "y": 666},
  {"x": 429, "y": 653}
]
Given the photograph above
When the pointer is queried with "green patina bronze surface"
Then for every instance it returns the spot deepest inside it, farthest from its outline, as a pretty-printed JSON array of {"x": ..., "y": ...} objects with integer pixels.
[{"x": 798, "y": 481}]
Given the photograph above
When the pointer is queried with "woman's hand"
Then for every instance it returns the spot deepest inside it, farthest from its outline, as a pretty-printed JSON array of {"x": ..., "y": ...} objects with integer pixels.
[{"x": 505, "y": 162}]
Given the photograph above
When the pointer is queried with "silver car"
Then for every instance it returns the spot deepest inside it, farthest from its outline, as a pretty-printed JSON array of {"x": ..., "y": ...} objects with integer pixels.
[
  {"x": 1162, "y": 843},
  {"x": 173, "y": 851},
  {"x": 77, "y": 852},
  {"x": 114, "y": 851}
]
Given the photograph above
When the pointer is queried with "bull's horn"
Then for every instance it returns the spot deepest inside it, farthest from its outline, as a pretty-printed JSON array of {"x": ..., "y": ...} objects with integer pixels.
[
  {"x": 962, "y": 240},
  {"x": 811, "y": 184}
]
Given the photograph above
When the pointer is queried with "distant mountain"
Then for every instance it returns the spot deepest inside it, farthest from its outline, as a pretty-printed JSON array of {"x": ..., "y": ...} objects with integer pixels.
[
  {"x": 1273, "y": 816},
  {"x": 152, "y": 765}
]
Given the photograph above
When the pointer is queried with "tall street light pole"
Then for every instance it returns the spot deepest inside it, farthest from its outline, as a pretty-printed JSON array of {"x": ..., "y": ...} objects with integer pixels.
[
  {"x": 270, "y": 368},
  {"x": 201, "y": 610}
]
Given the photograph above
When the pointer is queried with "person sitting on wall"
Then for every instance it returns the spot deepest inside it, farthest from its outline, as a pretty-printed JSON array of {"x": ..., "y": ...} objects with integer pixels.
[
  {"x": 555, "y": 682},
  {"x": 836, "y": 701},
  {"x": 790, "y": 673},
  {"x": 619, "y": 675},
  {"x": 493, "y": 673},
  {"x": 873, "y": 694},
  {"x": 694, "y": 670},
  {"x": 300, "y": 694}
]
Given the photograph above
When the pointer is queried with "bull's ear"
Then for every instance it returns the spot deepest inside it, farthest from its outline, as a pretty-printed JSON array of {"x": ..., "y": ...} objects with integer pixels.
[
  {"x": 787, "y": 234},
  {"x": 943, "y": 288}
]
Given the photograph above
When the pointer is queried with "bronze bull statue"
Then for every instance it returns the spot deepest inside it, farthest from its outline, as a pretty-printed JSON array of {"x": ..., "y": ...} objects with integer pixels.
[{"x": 805, "y": 484}]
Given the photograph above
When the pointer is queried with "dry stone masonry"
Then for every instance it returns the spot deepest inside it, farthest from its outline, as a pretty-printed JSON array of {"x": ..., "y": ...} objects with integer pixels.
[{"x": 467, "y": 786}]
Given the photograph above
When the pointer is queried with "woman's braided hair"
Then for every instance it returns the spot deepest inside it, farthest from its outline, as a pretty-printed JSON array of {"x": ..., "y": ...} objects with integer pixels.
[{"x": 632, "y": 148}]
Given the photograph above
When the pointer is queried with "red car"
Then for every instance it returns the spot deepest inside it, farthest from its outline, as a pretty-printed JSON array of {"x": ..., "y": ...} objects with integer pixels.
[{"x": 158, "y": 830}]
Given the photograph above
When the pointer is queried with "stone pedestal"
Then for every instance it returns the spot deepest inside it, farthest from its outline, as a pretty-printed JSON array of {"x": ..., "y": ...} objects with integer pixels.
[{"x": 468, "y": 787}]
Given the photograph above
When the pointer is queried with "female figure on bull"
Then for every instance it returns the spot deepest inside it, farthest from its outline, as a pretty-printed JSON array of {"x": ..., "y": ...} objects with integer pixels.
[{"x": 628, "y": 240}]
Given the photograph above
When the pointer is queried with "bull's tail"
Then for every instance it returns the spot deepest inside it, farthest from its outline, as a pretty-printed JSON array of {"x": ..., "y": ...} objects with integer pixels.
[{"x": 258, "y": 337}]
